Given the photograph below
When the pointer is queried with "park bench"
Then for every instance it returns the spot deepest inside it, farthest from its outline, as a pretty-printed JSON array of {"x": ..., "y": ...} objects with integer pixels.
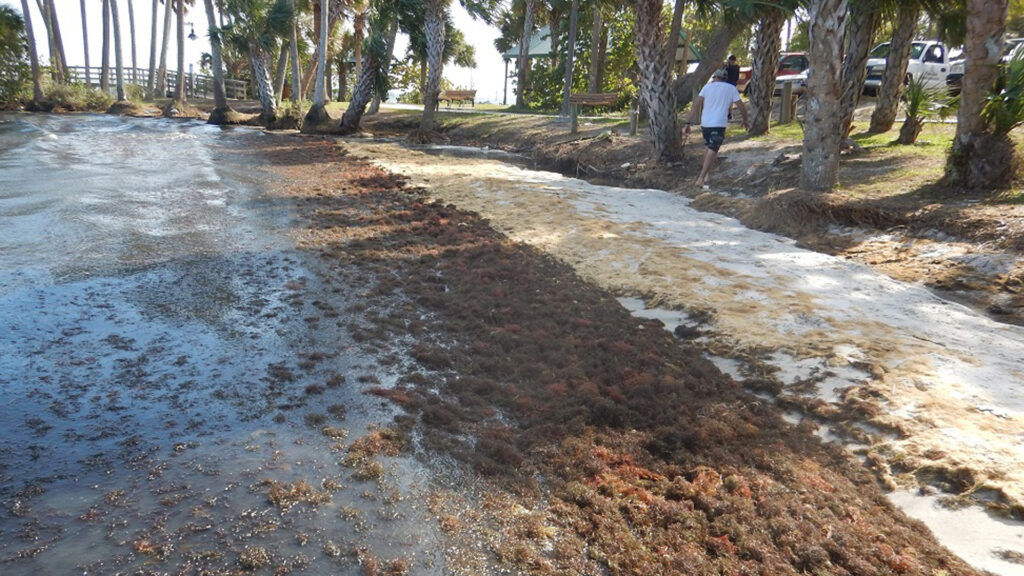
[
  {"x": 460, "y": 96},
  {"x": 576, "y": 101}
]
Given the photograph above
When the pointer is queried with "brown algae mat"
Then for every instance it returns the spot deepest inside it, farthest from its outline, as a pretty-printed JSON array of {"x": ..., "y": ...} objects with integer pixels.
[{"x": 609, "y": 447}]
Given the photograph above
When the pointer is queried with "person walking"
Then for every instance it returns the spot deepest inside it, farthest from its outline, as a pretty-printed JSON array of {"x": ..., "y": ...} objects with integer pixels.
[
  {"x": 732, "y": 69},
  {"x": 713, "y": 104}
]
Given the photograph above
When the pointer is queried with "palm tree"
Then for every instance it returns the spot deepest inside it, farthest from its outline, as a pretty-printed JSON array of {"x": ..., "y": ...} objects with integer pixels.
[
  {"x": 85, "y": 43},
  {"x": 153, "y": 51},
  {"x": 434, "y": 31},
  {"x": 767, "y": 47},
  {"x": 179, "y": 89},
  {"x": 119, "y": 64},
  {"x": 981, "y": 157},
  {"x": 317, "y": 115},
  {"x": 598, "y": 43},
  {"x": 373, "y": 78},
  {"x": 895, "y": 74},
  {"x": 570, "y": 55},
  {"x": 131, "y": 29},
  {"x": 655, "y": 80},
  {"x": 222, "y": 112},
  {"x": 863, "y": 20},
  {"x": 823, "y": 137},
  {"x": 161, "y": 78},
  {"x": 37, "y": 82},
  {"x": 281, "y": 70},
  {"x": 59, "y": 68},
  {"x": 257, "y": 26},
  {"x": 105, "y": 54},
  {"x": 389, "y": 56},
  {"x": 523, "y": 63},
  {"x": 296, "y": 75}
]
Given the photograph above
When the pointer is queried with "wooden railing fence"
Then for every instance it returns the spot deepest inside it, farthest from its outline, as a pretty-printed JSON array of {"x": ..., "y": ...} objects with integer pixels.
[{"x": 196, "y": 85}]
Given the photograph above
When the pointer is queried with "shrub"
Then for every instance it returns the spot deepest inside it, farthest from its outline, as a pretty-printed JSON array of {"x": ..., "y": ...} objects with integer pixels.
[
  {"x": 15, "y": 74},
  {"x": 78, "y": 98}
]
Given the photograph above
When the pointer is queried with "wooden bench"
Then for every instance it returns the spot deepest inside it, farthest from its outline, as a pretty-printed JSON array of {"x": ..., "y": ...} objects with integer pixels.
[
  {"x": 460, "y": 96},
  {"x": 602, "y": 100}
]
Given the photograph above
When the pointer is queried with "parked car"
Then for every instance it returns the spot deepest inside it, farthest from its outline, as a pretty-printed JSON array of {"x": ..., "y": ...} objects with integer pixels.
[
  {"x": 1011, "y": 47},
  {"x": 793, "y": 67},
  {"x": 929, "y": 62}
]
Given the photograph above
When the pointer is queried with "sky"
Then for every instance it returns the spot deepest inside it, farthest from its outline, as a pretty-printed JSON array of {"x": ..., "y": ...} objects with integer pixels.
[{"x": 486, "y": 78}]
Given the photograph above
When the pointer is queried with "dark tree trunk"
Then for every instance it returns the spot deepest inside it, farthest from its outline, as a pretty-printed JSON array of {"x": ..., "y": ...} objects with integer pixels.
[
  {"x": 895, "y": 74},
  {"x": 281, "y": 71},
  {"x": 523, "y": 64},
  {"x": 860, "y": 30},
  {"x": 768, "y": 46},
  {"x": 672, "y": 42},
  {"x": 597, "y": 38},
  {"x": 980, "y": 159},
  {"x": 655, "y": 85},
  {"x": 823, "y": 138},
  {"x": 570, "y": 60}
]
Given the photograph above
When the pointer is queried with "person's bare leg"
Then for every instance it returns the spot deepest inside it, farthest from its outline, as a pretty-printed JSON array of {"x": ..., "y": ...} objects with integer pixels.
[{"x": 709, "y": 162}]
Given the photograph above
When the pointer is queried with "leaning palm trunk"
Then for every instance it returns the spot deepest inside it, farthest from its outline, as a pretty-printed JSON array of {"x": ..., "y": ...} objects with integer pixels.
[
  {"x": 361, "y": 96},
  {"x": 317, "y": 114},
  {"x": 596, "y": 52},
  {"x": 37, "y": 81},
  {"x": 152, "y": 52},
  {"x": 523, "y": 64},
  {"x": 105, "y": 55},
  {"x": 221, "y": 111},
  {"x": 118, "y": 60},
  {"x": 768, "y": 46},
  {"x": 59, "y": 42},
  {"x": 434, "y": 28},
  {"x": 161, "y": 75},
  {"x": 714, "y": 55},
  {"x": 85, "y": 44},
  {"x": 179, "y": 90},
  {"x": 980, "y": 158},
  {"x": 859, "y": 32},
  {"x": 822, "y": 133},
  {"x": 655, "y": 83},
  {"x": 264, "y": 86},
  {"x": 392, "y": 36},
  {"x": 891, "y": 90}
]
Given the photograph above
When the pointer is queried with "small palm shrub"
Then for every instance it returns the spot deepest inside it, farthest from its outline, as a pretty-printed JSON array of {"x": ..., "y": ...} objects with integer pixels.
[
  {"x": 1004, "y": 108},
  {"x": 920, "y": 103}
]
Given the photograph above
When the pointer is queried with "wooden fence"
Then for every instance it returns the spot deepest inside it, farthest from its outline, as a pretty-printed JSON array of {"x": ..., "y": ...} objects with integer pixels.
[{"x": 196, "y": 85}]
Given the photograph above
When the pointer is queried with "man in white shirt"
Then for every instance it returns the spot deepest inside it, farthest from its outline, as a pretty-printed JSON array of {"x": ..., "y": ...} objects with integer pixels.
[{"x": 714, "y": 102}]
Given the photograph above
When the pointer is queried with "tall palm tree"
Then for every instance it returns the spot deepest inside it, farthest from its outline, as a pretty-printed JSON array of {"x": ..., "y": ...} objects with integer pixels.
[
  {"x": 161, "y": 77},
  {"x": 598, "y": 43},
  {"x": 655, "y": 80},
  {"x": 895, "y": 73},
  {"x": 823, "y": 137},
  {"x": 119, "y": 63},
  {"x": 131, "y": 29},
  {"x": 570, "y": 55},
  {"x": 434, "y": 31},
  {"x": 105, "y": 54},
  {"x": 152, "y": 52},
  {"x": 85, "y": 43},
  {"x": 37, "y": 82},
  {"x": 864, "y": 18},
  {"x": 179, "y": 89},
  {"x": 281, "y": 70},
  {"x": 523, "y": 63},
  {"x": 980, "y": 157},
  {"x": 296, "y": 75},
  {"x": 388, "y": 57},
  {"x": 222, "y": 112},
  {"x": 59, "y": 68},
  {"x": 372, "y": 77},
  {"x": 257, "y": 26},
  {"x": 317, "y": 114},
  {"x": 767, "y": 47}
]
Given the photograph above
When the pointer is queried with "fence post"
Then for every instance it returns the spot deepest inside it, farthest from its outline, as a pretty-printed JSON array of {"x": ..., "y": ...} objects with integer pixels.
[
  {"x": 786, "y": 104},
  {"x": 574, "y": 122}
]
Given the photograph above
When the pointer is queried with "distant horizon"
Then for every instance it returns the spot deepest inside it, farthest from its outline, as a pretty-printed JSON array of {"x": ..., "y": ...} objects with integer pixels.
[{"x": 487, "y": 78}]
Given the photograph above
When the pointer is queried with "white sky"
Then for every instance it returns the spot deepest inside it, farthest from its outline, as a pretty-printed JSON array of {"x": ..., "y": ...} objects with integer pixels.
[{"x": 486, "y": 78}]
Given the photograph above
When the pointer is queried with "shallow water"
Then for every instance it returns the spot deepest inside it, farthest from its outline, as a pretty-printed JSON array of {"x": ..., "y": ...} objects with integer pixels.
[{"x": 164, "y": 351}]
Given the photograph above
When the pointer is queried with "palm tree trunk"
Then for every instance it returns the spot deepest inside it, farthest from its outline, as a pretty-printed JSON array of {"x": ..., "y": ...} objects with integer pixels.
[
  {"x": 179, "y": 90},
  {"x": 860, "y": 30},
  {"x": 523, "y": 64},
  {"x": 823, "y": 138},
  {"x": 59, "y": 42},
  {"x": 264, "y": 86},
  {"x": 118, "y": 61},
  {"x": 58, "y": 61},
  {"x": 361, "y": 96},
  {"x": 37, "y": 82},
  {"x": 570, "y": 59},
  {"x": 296, "y": 75},
  {"x": 85, "y": 44},
  {"x": 767, "y": 47},
  {"x": 342, "y": 78},
  {"x": 105, "y": 55},
  {"x": 221, "y": 110},
  {"x": 317, "y": 113},
  {"x": 161, "y": 78},
  {"x": 895, "y": 74},
  {"x": 150, "y": 79},
  {"x": 131, "y": 30},
  {"x": 392, "y": 36},
  {"x": 435, "y": 32},
  {"x": 712, "y": 59},
  {"x": 980, "y": 159},
  {"x": 596, "y": 52},
  {"x": 358, "y": 35},
  {"x": 281, "y": 71},
  {"x": 672, "y": 42},
  {"x": 655, "y": 84}
]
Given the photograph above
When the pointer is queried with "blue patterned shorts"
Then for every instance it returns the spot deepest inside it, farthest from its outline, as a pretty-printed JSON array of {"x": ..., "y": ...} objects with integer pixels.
[{"x": 713, "y": 137}]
